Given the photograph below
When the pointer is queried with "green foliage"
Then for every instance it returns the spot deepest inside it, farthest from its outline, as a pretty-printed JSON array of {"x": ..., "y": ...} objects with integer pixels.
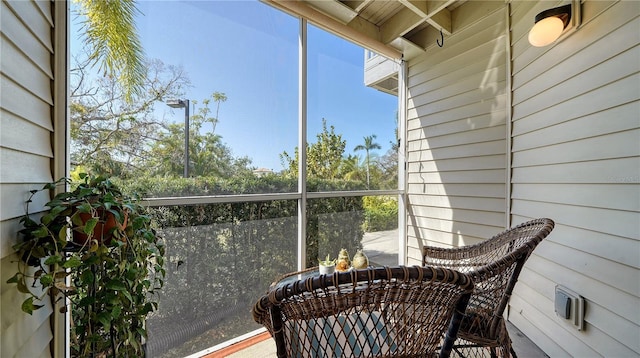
[
  {"x": 323, "y": 157},
  {"x": 113, "y": 270},
  {"x": 113, "y": 39},
  {"x": 381, "y": 213},
  {"x": 232, "y": 251},
  {"x": 208, "y": 155},
  {"x": 112, "y": 136},
  {"x": 368, "y": 146}
]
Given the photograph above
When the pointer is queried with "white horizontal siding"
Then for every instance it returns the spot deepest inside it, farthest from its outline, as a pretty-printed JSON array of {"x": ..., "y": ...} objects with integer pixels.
[
  {"x": 456, "y": 133},
  {"x": 26, "y": 103},
  {"x": 576, "y": 159}
]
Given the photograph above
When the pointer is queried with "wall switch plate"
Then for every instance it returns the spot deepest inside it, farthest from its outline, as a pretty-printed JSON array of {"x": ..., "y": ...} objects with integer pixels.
[{"x": 570, "y": 306}]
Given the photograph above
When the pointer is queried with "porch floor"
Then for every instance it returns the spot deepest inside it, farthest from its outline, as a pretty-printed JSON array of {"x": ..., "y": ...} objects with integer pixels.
[{"x": 267, "y": 348}]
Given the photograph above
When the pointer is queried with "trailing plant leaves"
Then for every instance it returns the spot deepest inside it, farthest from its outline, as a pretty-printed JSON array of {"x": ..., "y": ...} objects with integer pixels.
[
  {"x": 53, "y": 259},
  {"x": 72, "y": 262},
  {"x": 22, "y": 286},
  {"x": 84, "y": 208},
  {"x": 90, "y": 225},
  {"x": 46, "y": 280},
  {"x": 29, "y": 307},
  {"x": 40, "y": 232},
  {"x": 63, "y": 235}
]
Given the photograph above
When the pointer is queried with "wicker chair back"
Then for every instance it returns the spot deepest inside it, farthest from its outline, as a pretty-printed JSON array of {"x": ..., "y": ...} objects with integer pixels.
[
  {"x": 375, "y": 312},
  {"x": 494, "y": 265}
]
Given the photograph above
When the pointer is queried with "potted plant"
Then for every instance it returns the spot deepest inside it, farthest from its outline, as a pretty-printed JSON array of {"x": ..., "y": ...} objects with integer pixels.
[
  {"x": 97, "y": 248},
  {"x": 327, "y": 266}
]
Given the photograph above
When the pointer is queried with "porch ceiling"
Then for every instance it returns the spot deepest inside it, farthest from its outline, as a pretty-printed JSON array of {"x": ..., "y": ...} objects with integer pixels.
[{"x": 392, "y": 28}]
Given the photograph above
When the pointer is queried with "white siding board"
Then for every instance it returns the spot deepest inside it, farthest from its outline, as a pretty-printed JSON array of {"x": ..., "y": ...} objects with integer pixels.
[
  {"x": 603, "y": 98},
  {"x": 572, "y": 341},
  {"x": 32, "y": 168},
  {"x": 460, "y": 125},
  {"x": 45, "y": 10},
  {"x": 471, "y": 177},
  {"x": 22, "y": 335},
  {"x": 15, "y": 130},
  {"x": 17, "y": 194},
  {"x": 484, "y": 162},
  {"x": 486, "y": 106},
  {"x": 487, "y": 134},
  {"x": 475, "y": 190},
  {"x": 592, "y": 290},
  {"x": 466, "y": 150},
  {"x": 15, "y": 31},
  {"x": 616, "y": 275},
  {"x": 495, "y": 219},
  {"x": 26, "y": 79},
  {"x": 599, "y": 76},
  {"x": 21, "y": 70},
  {"x": 619, "y": 340},
  {"x": 461, "y": 76},
  {"x": 467, "y": 36},
  {"x": 31, "y": 16},
  {"x": 613, "y": 222},
  {"x": 456, "y": 134},
  {"x": 618, "y": 196},
  {"x": 17, "y": 100},
  {"x": 617, "y": 119},
  {"x": 457, "y": 202},
  {"x": 621, "y": 170},
  {"x": 609, "y": 146},
  {"x": 437, "y": 238},
  {"x": 613, "y": 248}
]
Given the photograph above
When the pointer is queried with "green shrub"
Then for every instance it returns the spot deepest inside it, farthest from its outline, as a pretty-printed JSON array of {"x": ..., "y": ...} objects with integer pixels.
[{"x": 380, "y": 213}]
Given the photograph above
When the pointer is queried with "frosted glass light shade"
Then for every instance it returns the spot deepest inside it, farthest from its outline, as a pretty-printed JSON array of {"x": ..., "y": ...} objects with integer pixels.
[{"x": 546, "y": 31}]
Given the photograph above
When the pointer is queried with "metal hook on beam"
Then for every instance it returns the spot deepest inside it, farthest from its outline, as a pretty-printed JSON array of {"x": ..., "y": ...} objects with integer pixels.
[{"x": 440, "y": 42}]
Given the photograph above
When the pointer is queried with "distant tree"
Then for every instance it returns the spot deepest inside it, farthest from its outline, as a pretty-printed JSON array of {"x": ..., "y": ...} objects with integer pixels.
[
  {"x": 109, "y": 134},
  {"x": 368, "y": 146},
  {"x": 350, "y": 169},
  {"x": 112, "y": 39},
  {"x": 208, "y": 155},
  {"x": 324, "y": 157},
  {"x": 218, "y": 97}
]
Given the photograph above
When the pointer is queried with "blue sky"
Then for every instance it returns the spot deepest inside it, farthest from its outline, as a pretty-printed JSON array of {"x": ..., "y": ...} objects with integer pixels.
[{"x": 249, "y": 51}]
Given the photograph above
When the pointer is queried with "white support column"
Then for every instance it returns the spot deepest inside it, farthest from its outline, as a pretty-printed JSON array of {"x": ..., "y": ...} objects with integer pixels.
[
  {"x": 61, "y": 158},
  {"x": 302, "y": 144},
  {"x": 402, "y": 163}
]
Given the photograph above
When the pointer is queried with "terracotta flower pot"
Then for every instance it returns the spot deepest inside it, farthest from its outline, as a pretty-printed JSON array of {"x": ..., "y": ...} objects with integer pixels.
[{"x": 103, "y": 231}]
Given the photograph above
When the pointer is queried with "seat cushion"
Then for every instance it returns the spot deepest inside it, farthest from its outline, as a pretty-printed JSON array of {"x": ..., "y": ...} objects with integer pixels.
[{"x": 358, "y": 334}]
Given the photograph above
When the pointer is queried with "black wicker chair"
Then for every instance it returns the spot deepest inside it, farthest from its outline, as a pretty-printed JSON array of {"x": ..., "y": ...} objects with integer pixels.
[
  {"x": 494, "y": 266},
  {"x": 374, "y": 312}
]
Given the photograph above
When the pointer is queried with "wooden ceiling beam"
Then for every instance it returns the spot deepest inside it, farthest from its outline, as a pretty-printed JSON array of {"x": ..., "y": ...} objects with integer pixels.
[
  {"x": 359, "y": 31},
  {"x": 399, "y": 24}
]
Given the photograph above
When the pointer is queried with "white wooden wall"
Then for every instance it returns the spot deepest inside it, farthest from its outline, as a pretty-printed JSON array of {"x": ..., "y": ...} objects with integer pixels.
[
  {"x": 456, "y": 133},
  {"x": 576, "y": 159},
  {"x": 573, "y": 144},
  {"x": 26, "y": 153}
]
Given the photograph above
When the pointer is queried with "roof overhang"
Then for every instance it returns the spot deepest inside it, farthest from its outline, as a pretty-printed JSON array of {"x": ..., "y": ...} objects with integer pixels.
[{"x": 395, "y": 29}]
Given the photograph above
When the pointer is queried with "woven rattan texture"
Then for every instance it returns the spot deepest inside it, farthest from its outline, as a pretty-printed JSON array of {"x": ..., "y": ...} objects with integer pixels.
[
  {"x": 494, "y": 266},
  {"x": 376, "y": 312}
]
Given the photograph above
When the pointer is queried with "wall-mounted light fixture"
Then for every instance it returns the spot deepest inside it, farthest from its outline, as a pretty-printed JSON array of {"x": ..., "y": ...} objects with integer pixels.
[{"x": 551, "y": 23}]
